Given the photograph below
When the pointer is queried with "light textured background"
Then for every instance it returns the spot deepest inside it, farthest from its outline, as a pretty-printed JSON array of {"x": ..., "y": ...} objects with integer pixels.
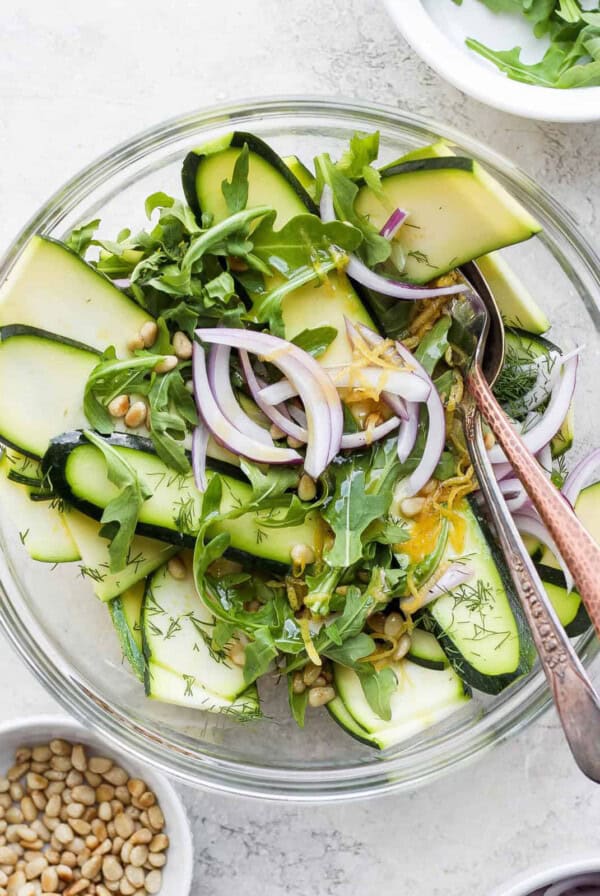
[{"x": 77, "y": 77}]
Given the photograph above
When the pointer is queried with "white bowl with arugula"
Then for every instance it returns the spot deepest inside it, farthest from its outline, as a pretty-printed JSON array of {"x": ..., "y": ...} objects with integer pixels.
[
  {"x": 234, "y": 456},
  {"x": 537, "y": 60}
]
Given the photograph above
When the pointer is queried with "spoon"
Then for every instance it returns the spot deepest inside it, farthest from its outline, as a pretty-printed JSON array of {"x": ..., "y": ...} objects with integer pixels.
[{"x": 478, "y": 332}]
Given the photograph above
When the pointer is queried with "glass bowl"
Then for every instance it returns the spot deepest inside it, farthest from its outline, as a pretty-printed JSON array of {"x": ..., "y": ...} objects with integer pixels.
[{"x": 65, "y": 635}]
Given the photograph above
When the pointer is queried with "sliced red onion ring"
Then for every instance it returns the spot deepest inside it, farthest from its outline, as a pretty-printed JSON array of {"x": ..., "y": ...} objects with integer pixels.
[
  {"x": 276, "y": 416},
  {"x": 553, "y": 417},
  {"x": 219, "y": 377},
  {"x": 318, "y": 394},
  {"x": 408, "y": 433},
  {"x": 393, "y": 223},
  {"x": 501, "y": 471},
  {"x": 514, "y": 493},
  {"x": 200, "y": 438},
  {"x": 224, "y": 431},
  {"x": 456, "y": 574},
  {"x": 359, "y": 271},
  {"x": 396, "y": 382},
  {"x": 367, "y": 436},
  {"x": 580, "y": 476},
  {"x": 527, "y": 524},
  {"x": 436, "y": 432}
]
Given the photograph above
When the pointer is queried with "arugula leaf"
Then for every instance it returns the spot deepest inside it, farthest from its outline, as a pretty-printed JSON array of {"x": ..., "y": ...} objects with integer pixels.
[
  {"x": 374, "y": 247},
  {"x": 363, "y": 149},
  {"x": 349, "y": 652},
  {"x": 81, "y": 238},
  {"x": 172, "y": 410},
  {"x": 434, "y": 345},
  {"x": 228, "y": 237},
  {"x": 236, "y": 192},
  {"x": 272, "y": 483},
  {"x": 350, "y": 512},
  {"x": 260, "y": 653},
  {"x": 267, "y": 306},
  {"x": 315, "y": 341},
  {"x": 378, "y": 688},
  {"x": 302, "y": 242},
  {"x": 297, "y": 702},
  {"x": 120, "y": 517},
  {"x": 112, "y": 377}
]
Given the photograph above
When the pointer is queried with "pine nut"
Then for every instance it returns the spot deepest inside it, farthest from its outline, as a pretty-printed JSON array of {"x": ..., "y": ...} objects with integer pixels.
[
  {"x": 298, "y": 686},
  {"x": 182, "y": 346},
  {"x": 8, "y": 855},
  {"x": 376, "y": 622},
  {"x": 320, "y": 682},
  {"x": 176, "y": 569},
  {"x": 275, "y": 432},
  {"x": 92, "y": 867},
  {"x": 237, "y": 655},
  {"x": 74, "y": 779},
  {"x": 302, "y": 555},
  {"x": 310, "y": 673},
  {"x": 402, "y": 647},
  {"x": 60, "y": 747},
  {"x": 135, "y": 876},
  {"x": 307, "y": 488},
  {"x": 410, "y": 507},
  {"x": 116, "y": 776},
  {"x": 4, "y": 785},
  {"x": 93, "y": 779},
  {"x": 41, "y": 753},
  {"x": 22, "y": 754},
  {"x": 394, "y": 625},
  {"x": 112, "y": 869},
  {"x": 136, "y": 787},
  {"x": 294, "y": 443},
  {"x": 124, "y": 826},
  {"x": 16, "y": 791},
  {"x": 35, "y": 868},
  {"x": 100, "y": 765},
  {"x": 17, "y": 771},
  {"x": 84, "y": 794},
  {"x": 61, "y": 763},
  {"x": 64, "y": 834},
  {"x": 136, "y": 415},
  {"x": 78, "y": 759},
  {"x": 27, "y": 890},
  {"x": 78, "y": 887},
  {"x": 149, "y": 333},
  {"x": 159, "y": 843},
  {"x": 28, "y": 809},
  {"x": 75, "y": 810},
  {"x": 168, "y": 363},
  {"x": 139, "y": 855},
  {"x": 135, "y": 344},
  {"x": 157, "y": 859},
  {"x": 105, "y": 793},
  {"x": 64, "y": 872},
  {"x": 321, "y": 696},
  {"x": 153, "y": 882},
  {"x": 49, "y": 880},
  {"x": 122, "y": 794}
]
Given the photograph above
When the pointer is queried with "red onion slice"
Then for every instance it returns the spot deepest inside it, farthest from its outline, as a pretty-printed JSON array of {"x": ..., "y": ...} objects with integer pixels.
[
  {"x": 224, "y": 431},
  {"x": 527, "y": 524},
  {"x": 397, "y": 382},
  {"x": 393, "y": 223},
  {"x": 456, "y": 574},
  {"x": 436, "y": 432},
  {"x": 408, "y": 433},
  {"x": 367, "y": 436},
  {"x": 219, "y": 377},
  {"x": 514, "y": 493},
  {"x": 359, "y": 271},
  {"x": 580, "y": 476},
  {"x": 318, "y": 394},
  {"x": 276, "y": 416},
  {"x": 553, "y": 417},
  {"x": 200, "y": 438}
]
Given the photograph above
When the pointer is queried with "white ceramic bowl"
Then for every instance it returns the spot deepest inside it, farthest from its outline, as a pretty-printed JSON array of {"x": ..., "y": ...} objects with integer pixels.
[
  {"x": 177, "y": 873},
  {"x": 436, "y": 30},
  {"x": 531, "y": 881}
]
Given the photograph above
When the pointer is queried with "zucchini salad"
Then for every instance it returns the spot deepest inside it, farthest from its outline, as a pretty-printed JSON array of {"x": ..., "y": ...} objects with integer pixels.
[{"x": 242, "y": 424}]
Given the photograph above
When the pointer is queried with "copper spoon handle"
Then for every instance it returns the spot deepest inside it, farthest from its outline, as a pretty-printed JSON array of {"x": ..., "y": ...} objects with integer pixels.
[
  {"x": 579, "y": 550},
  {"x": 577, "y": 704}
]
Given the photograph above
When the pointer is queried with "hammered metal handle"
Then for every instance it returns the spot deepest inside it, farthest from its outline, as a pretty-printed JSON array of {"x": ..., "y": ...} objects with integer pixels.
[
  {"x": 575, "y": 699},
  {"x": 577, "y": 547}
]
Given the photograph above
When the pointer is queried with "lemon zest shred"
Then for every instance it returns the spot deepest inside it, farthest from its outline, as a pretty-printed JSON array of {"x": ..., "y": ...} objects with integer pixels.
[{"x": 311, "y": 650}]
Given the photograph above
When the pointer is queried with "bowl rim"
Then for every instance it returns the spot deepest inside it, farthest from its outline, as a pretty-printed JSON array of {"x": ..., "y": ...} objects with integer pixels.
[
  {"x": 272, "y": 781},
  {"x": 175, "y": 813},
  {"x": 545, "y": 875},
  {"x": 467, "y": 73}
]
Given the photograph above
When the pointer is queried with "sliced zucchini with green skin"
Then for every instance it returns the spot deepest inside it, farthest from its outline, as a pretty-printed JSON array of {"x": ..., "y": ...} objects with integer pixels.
[
  {"x": 302, "y": 174},
  {"x": 167, "y": 686},
  {"x": 568, "y": 605},
  {"x": 458, "y": 212},
  {"x": 145, "y": 556},
  {"x": 423, "y": 698},
  {"x": 125, "y": 612},
  {"x": 177, "y": 630},
  {"x": 338, "y": 712},
  {"x": 437, "y": 150},
  {"x": 43, "y": 379},
  {"x": 40, "y": 524},
  {"x": 516, "y": 304},
  {"x": 271, "y": 183},
  {"x": 480, "y": 624},
  {"x": 563, "y": 440},
  {"x": 426, "y": 650},
  {"x": 53, "y": 288},
  {"x": 173, "y": 512}
]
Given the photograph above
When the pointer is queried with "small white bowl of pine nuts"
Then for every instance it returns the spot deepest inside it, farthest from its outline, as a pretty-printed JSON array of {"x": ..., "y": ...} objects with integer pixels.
[{"x": 77, "y": 820}]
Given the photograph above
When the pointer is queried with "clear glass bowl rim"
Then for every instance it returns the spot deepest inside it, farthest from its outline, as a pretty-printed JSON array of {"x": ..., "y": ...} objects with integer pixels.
[{"x": 249, "y": 779}]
